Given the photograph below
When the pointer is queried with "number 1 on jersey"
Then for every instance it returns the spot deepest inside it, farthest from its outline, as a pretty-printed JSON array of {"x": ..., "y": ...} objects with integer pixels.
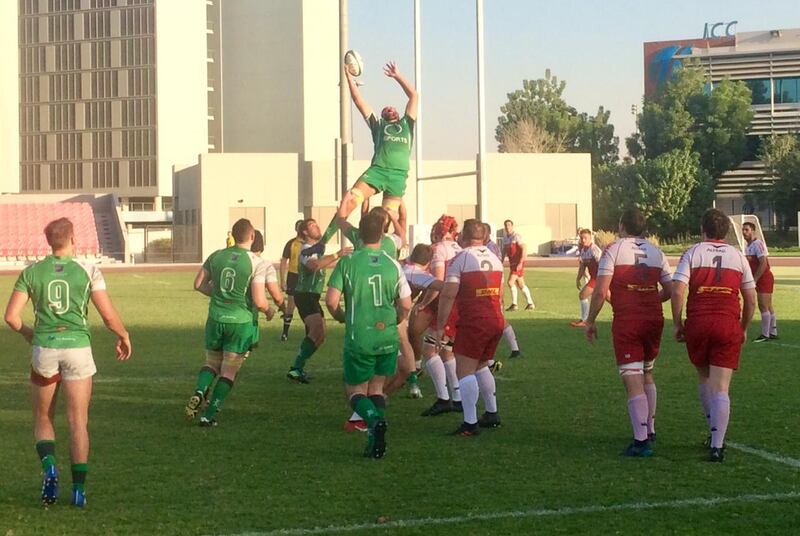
[{"x": 376, "y": 282}]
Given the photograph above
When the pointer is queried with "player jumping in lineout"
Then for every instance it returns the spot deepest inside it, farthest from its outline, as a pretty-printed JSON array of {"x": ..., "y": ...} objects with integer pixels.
[{"x": 392, "y": 136}]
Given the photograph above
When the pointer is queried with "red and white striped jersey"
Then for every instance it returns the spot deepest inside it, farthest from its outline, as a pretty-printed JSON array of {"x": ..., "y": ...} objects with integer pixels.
[
  {"x": 443, "y": 253},
  {"x": 512, "y": 248},
  {"x": 479, "y": 274},
  {"x": 418, "y": 278},
  {"x": 715, "y": 272},
  {"x": 590, "y": 257},
  {"x": 754, "y": 251},
  {"x": 636, "y": 267}
]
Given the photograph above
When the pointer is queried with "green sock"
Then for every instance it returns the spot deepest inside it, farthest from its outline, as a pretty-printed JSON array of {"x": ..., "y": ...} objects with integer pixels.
[
  {"x": 412, "y": 378},
  {"x": 46, "y": 450},
  {"x": 221, "y": 391},
  {"x": 79, "y": 471},
  {"x": 205, "y": 379},
  {"x": 307, "y": 349},
  {"x": 380, "y": 405},
  {"x": 330, "y": 231},
  {"x": 366, "y": 409}
]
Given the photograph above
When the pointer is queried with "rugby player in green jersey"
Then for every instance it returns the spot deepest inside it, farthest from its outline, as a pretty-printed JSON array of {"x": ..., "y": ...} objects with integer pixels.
[
  {"x": 377, "y": 299},
  {"x": 392, "y": 136},
  {"x": 235, "y": 280},
  {"x": 307, "y": 293},
  {"x": 60, "y": 288}
]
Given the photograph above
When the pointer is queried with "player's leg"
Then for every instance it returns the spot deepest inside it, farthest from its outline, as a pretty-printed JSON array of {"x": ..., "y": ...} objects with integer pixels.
[
  {"x": 450, "y": 368},
  {"x": 584, "y": 297},
  {"x": 205, "y": 378},
  {"x": 352, "y": 200},
  {"x": 288, "y": 315},
  {"x": 232, "y": 362},
  {"x": 524, "y": 288},
  {"x": 77, "y": 394},
  {"x": 704, "y": 394},
  {"x": 632, "y": 374},
  {"x": 764, "y": 306},
  {"x": 438, "y": 374},
  {"x": 512, "y": 285},
  {"x": 511, "y": 339},
  {"x": 311, "y": 313},
  {"x": 719, "y": 380},
  {"x": 488, "y": 387},
  {"x": 466, "y": 368},
  {"x": 44, "y": 392},
  {"x": 651, "y": 393}
]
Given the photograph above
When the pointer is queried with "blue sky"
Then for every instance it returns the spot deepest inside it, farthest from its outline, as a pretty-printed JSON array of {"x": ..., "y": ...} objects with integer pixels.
[{"x": 596, "y": 46}]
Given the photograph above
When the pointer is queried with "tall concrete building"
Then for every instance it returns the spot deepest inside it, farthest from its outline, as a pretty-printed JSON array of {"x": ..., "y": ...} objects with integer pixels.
[
  {"x": 769, "y": 63},
  {"x": 110, "y": 94}
]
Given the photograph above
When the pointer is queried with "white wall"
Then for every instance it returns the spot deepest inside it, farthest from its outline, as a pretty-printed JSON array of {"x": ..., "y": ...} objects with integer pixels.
[
  {"x": 9, "y": 97},
  {"x": 182, "y": 80}
]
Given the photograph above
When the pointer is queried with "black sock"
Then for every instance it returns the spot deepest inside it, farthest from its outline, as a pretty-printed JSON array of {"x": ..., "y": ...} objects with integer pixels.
[{"x": 287, "y": 321}]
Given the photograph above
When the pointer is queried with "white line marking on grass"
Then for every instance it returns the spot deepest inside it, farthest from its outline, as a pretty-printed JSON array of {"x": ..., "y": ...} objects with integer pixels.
[
  {"x": 532, "y": 513},
  {"x": 785, "y": 345},
  {"x": 778, "y": 458}
]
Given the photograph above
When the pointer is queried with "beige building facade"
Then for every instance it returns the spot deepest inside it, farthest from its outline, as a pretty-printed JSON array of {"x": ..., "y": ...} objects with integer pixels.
[{"x": 548, "y": 196}]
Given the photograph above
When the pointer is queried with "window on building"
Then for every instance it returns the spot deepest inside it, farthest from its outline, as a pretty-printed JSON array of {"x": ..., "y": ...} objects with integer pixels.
[
  {"x": 760, "y": 89},
  {"x": 787, "y": 90},
  {"x": 141, "y": 204}
]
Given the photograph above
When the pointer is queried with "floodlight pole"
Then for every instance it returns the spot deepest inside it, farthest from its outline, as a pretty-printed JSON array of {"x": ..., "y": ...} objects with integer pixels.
[
  {"x": 483, "y": 208},
  {"x": 418, "y": 133},
  {"x": 345, "y": 135}
]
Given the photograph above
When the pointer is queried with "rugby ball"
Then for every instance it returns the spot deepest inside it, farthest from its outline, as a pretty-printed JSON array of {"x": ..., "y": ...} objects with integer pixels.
[{"x": 354, "y": 63}]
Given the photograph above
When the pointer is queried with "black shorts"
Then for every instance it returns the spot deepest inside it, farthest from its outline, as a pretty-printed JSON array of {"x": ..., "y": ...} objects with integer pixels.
[
  {"x": 291, "y": 282},
  {"x": 307, "y": 303}
]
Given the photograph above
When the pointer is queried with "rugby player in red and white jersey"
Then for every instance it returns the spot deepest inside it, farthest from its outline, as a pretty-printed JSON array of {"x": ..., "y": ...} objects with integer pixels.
[
  {"x": 474, "y": 284},
  {"x": 714, "y": 273},
  {"x": 514, "y": 248},
  {"x": 758, "y": 258},
  {"x": 508, "y": 331},
  {"x": 590, "y": 254},
  {"x": 632, "y": 268},
  {"x": 439, "y": 361}
]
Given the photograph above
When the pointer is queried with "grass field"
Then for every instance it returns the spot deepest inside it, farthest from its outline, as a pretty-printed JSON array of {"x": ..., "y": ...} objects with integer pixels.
[{"x": 279, "y": 463}]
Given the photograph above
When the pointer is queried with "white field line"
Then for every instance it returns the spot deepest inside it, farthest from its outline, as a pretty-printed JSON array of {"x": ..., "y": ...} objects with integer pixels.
[
  {"x": 532, "y": 513},
  {"x": 785, "y": 345},
  {"x": 777, "y": 458}
]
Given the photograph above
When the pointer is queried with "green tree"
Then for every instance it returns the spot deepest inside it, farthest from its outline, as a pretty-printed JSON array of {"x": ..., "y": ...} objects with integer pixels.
[
  {"x": 536, "y": 118},
  {"x": 595, "y": 135},
  {"x": 669, "y": 189},
  {"x": 539, "y": 102},
  {"x": 687, "y": 114},
  {"x": 781, "y": 156}
]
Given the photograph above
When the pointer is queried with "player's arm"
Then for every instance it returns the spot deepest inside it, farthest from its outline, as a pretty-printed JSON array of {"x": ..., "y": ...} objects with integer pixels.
[
  {"x": 748, "y": 307},
  {"x": 341, "y": 219},
  {"x": 403, "y": 307},
  {"x": 326, "y": 260},
  {"x": 16, "y": 303},
  {"x": 202, "y": 282},
  {"x": 666, "y": 291},
  {"x": 333, "y": 303},
  {"x": 390, "y": 70},
  {"x": 762, "y": 267},
  {"x": 601, "y": 288},
  {"x": 363, "y": 108},
  {"x": 581, "y": 272},
  {"x": 107, "y": 311},
  {"x": 284, "y": 266},
  {"x": 678, "y": 294},
  {"x": 259, "y": 296},
  {"x": 276, "y": 293}
]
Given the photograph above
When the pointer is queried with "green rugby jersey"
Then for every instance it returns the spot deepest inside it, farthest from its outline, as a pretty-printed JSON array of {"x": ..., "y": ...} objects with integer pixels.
[
  {"x": 392, "y": 142},
  {"x": 371, "y": 281},
  {"x": 232, "y": 270},
  {"x": 389, "y": 243},
  {"x": 59, "y": 288},
  {"x": 308, "y": 280}
]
